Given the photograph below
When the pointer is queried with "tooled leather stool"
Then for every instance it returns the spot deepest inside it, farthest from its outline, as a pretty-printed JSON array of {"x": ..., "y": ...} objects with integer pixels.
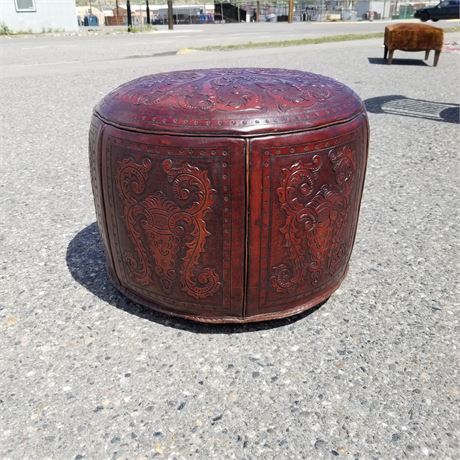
[
  {"x": 228, "y": 195},
  {"x": 413, "y": 37}
]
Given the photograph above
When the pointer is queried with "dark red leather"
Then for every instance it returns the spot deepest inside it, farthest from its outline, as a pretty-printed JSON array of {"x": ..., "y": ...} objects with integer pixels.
[
  {"x": 229, "y": 101},
  {"x": 229, "y": 195}
]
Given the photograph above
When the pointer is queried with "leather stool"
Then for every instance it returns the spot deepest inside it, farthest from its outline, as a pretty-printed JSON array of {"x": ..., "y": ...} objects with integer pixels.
[
  {"x": 228, "y": 195},
  {"x": 413, "y": 37}
]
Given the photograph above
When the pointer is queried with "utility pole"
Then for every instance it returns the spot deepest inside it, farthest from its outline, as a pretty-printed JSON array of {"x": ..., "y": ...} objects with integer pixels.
[
  {"x": 258, "y": 11},
  {"x": 100, "y": 8},
  {"x": 170, "y": 15},
  {"x": 147, "y": 11},
  {"x": 291, "y": 11},
  {"x": 130, "y": 19}
]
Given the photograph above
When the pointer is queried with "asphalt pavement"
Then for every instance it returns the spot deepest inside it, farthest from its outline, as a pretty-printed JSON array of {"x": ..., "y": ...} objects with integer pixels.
[
  {"x": 87, "y": 374},
  {"x": 109, "y": 44}
]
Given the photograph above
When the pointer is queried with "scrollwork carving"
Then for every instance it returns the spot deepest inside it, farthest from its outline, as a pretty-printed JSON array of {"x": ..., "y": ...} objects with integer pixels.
[
  {"x": 168, "y": 236},
  {"x": 316, "y": 218},
  {"x": 217, "y": 98}
]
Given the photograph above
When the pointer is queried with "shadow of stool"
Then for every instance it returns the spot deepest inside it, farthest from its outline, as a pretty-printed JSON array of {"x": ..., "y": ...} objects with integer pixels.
[
  {"x": 86, "y": 263},
  {"x": 398, "y": 61}
]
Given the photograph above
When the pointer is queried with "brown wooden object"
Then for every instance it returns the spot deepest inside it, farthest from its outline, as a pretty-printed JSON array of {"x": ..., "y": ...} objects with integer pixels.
[
  {"x": 229, "y": 195},
  {"x": 413, "y": 37}
]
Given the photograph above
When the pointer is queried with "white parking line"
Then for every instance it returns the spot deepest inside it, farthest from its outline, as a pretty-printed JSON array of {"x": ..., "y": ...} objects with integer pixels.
[
  {"x": 34, "y": 47},
  {"x": 177, "y": 31},
  {"x": 37, "y": 64}
]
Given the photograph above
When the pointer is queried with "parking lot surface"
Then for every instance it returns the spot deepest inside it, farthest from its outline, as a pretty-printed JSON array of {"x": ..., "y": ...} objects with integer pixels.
[{"x": 85, "y": 373}]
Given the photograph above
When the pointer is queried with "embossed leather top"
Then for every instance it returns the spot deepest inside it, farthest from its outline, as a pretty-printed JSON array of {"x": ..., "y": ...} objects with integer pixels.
[{"x": 229, "y": 101}]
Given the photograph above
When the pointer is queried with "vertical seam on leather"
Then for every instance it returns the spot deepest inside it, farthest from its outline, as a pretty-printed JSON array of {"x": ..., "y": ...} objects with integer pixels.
[{"x": 246, "y": 227}]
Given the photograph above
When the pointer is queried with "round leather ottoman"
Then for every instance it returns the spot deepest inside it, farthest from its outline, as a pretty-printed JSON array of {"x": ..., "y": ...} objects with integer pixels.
[{"x": 228, "y": 195}]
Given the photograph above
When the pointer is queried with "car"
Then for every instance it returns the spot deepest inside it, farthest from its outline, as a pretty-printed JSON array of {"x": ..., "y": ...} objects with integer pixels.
[{"x": 448, "y": 9}]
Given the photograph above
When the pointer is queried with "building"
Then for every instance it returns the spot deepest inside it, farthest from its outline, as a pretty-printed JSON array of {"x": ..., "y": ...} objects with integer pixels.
[
  {"x": 87, "y": 10},
  {"x": 381, "y": 9},
  {"x": 183, "y": 13},
  {"x": 38, "y": 15}
]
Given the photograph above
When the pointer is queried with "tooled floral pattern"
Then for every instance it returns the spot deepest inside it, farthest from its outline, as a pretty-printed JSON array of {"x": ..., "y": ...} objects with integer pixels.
[
  {"x": 316, "y": 220},
  {"x": 256, "y": 90},
  {"x": 160, "y": 229}
]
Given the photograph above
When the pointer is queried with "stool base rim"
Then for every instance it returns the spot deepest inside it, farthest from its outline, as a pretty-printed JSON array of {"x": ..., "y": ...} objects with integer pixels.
[{"x": 321, "y": 297}]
